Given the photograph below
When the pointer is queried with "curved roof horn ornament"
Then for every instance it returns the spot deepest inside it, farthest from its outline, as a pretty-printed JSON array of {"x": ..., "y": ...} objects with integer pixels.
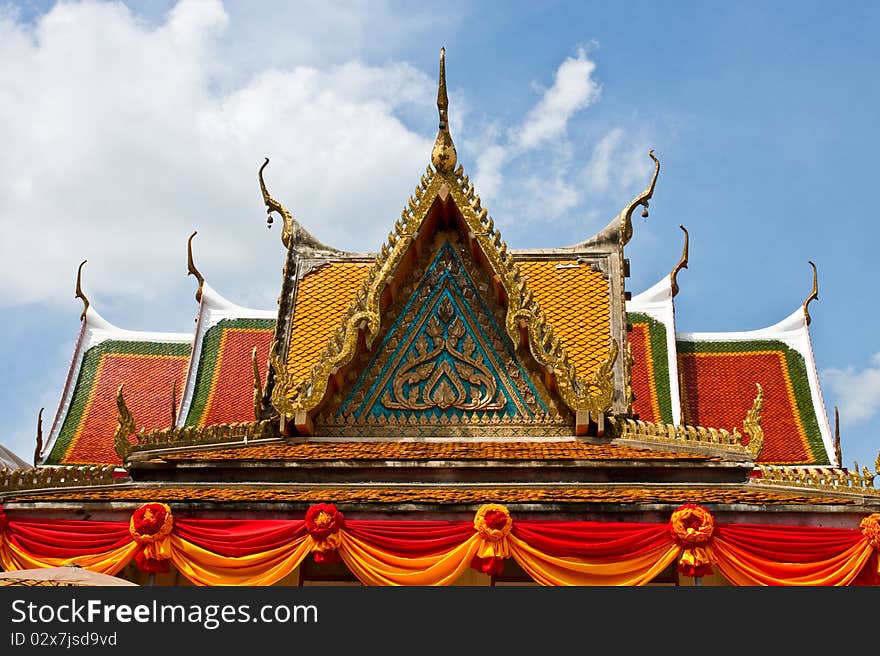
[
  {"x": 814, "y": 295},
  {"x": 79, "y": 291},
  {"x": 292, "y": 233},
  {"x": 626, "y": 229},
  {"x": 682, "y": 263},
  {"x": 191, "y": 267}
]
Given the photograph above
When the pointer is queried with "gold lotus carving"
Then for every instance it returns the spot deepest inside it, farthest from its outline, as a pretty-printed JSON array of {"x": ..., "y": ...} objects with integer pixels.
[{"x": 461, "y": 381}]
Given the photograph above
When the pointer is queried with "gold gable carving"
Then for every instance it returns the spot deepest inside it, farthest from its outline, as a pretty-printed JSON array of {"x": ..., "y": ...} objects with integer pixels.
[{"x": 524, "y": 318}]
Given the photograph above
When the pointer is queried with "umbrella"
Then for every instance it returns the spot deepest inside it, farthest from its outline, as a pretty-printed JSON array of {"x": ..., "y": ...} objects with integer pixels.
[{"x": 60, "y": 576}]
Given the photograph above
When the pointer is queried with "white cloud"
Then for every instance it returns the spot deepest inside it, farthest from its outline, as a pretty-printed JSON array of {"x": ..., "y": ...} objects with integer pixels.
[
  {"x": 534, "y": 173},
  {"x": 857, "y": 390},
  {"x": 573, "y": 90},
  {"x": 117, "y": 133}
]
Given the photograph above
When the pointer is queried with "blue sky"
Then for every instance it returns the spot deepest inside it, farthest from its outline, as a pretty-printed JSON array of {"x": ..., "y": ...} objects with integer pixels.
[{"x": 128, "y": 126}]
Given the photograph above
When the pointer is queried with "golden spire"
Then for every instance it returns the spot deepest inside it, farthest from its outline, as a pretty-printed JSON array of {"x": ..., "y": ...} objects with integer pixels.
[
  {"x": 443, "y": 157},
  {"x": 191, "y": 267},
  {"x": 79, "y": 291},
  {"x": 682, "y": 263},
  {"x": 813, "y": 294},
  {"x": 39, "y": 447},
  {"x": 292, "y": 233}
]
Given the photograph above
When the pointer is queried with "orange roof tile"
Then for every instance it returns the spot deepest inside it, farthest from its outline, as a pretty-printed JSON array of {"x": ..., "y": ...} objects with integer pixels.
[
  {"x": 148, "y": 370},
  {"x": 438, "y": 495},
  {"x": 224, "y": 384},
  {"x": 435, "y": 451},
  {"x": 718, "y": 389},
  {"x": 323, "y": 296},
  {"x": 575, "y": 300}
]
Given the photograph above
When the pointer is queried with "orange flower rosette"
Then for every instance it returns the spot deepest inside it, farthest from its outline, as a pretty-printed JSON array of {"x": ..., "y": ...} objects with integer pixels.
[
  {"x": 323, "y": 522},
  {"x": 493, "y": 524},
  {"x": 870, "y": 526},
  {"x": 692, "y": 526},
  {"x": 150, "y": 527}
]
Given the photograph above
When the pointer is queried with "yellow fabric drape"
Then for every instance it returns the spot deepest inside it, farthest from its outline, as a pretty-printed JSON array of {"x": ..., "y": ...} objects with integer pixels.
[
  {"x": 265, "y": 568},
  {"x": 742, "y": 568},
  {"x": 107, "y": 562},
  {"x": 554, "y": 570},
  {"x": 375, "y": 567}
]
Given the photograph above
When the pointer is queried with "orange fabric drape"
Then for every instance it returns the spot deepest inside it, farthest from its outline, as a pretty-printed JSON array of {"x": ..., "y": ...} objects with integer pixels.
[{"x": 262, "y": 552}]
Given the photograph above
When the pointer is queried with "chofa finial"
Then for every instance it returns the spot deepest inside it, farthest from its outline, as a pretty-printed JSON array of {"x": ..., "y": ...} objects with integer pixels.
[
  {"x": 191, "y": 267},
  {"x": 292, "y": 233},
  {"x": 79, "y": 291},
  {"x": 813, "y": 294},
  {"x": 443, "y": 157},
  {"x": 682, "y": 263},
  {"x": 626, "y": 229}
]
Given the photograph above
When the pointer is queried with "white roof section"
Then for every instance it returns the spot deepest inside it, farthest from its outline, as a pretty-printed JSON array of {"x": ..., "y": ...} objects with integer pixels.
[
  {"x": 11, "y": 461},
  {"x": 213, "y": 308},
  {"x": 793, "y": 331},
  {"x": 657, "y": 303}
]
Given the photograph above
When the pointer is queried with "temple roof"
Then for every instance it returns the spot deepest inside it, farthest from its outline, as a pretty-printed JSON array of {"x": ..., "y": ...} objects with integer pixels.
[{"x": 151, "y": 365}]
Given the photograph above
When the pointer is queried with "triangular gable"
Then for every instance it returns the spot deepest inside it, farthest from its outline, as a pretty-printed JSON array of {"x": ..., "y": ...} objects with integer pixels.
[
  {"x": 151, "y": 365},
  {"x": 220, "y": 383},
  {"x": 719, "y": 372},
  {"x": 446, "y": 199},
  {"x": 444, "y": 364}
]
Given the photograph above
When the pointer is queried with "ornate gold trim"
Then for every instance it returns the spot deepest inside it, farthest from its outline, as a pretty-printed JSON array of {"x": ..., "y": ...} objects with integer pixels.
[
  {"x": 292, "y": 233},
  {"x": 752, "y": 425},
  {"x": 191, "y": 267},
  {"x": 39, "y": 447},
  {"x": 837, "y": 452},
  {"x": 258, "y": 387},
  {"x": 125, "y": 425},
  {"x": 173, "y": 403},
  {"x": 826, "y": 479},
  {"x": 624, "y": 219},
  {"x": 202, "y": 435},
  {"x": 814, "y": 295},
  {"x": 682, "y": 263},
  {"x": 671, "y": 434},
  {"x": 79, "y": 291},
  {"x": 52, "y": 477},
  {"x": 594, "y": 393}
]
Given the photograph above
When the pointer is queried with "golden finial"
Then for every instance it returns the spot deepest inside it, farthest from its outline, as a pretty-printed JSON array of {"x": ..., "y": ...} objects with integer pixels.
[
  {"x": 752, "y": 425},
  {"x": 173, "y": 402},
  {"x": 682, "y": 263},
  {"x": 443, "y": 157},
  {"x": 125, "y": 426},
  {"x": 39, "y": 449},
  {"x": 292, "y": 233},
  {"x": 837, "y": 452},
  {"x": 191, "y": 267},
  {"x": 79, "y": 291},
  {"x": 258, "y": 387},
  {"x": 642, "y": 199},
  {"x": 813, "y": 294}
]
